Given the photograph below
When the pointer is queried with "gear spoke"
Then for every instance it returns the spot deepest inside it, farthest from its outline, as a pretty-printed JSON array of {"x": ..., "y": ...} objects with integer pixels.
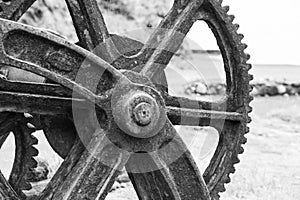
[
  {"x": 38, "y": 104},
  {"x": 191, "y": 117},
  {"x": 3, "y": 138},
  {"x": 94, "y": 174},
  {"x": 64, "y": 170},
  {"x": 168, "y": 36},
  {"x": 48, "y": 67},
  {"x": 6, "y": 192},
  {"x": 160, "y": 174},
  {"x": 182, "y": 102},
  {"x": 91, "y": 29},
  {"x": 6, "y": 124},
  {"x": 35, "y": 88}
]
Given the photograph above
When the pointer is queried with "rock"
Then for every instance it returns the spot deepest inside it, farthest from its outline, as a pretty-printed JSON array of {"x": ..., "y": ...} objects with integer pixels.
[
  {"x": 121, "y": 181},
  {"x": 123, "y": 178},
  {"x": 200, "y": 88},
  {"x": 281, "y": 89},
  {"x": 122, "y": 185},
  {"x": 221, "y": 89},
  {"x": 212, "y": 90},
  {"x": 262, "y": 88},
  {"x": 296, "y": 88},
  {"x": 188, "y": 91},
  {"x": 115, "y": 186},
  {"x": 272, "y": 90},
  {"x": 196, "y": 87}
]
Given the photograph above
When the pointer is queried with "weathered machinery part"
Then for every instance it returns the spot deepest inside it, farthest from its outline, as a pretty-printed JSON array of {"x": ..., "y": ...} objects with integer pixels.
[
  {"x": 171, "y": 181},
  {"x": 20, "y": 125},
  {"x": 25, "y": 152},
  {"x": 60, "y": 131},
  {"x": 232, "y": 135}
]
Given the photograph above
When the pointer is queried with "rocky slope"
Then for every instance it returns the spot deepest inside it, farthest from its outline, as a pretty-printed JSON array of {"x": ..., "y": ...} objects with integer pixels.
[{"x": 121, "y": 16}]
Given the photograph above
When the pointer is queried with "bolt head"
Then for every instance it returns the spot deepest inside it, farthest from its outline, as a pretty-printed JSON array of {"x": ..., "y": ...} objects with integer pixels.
[
  {"x": 143, "y": 113},
  {"x": 138, "y": 114}
]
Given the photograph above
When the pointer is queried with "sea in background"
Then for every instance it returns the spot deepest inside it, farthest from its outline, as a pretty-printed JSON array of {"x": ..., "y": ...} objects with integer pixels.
[{"x": 209, "y": 67}]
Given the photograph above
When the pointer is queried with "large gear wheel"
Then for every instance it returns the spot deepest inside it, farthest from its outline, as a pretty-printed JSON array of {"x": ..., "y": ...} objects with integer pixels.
[
  {"x": 141, "y": 84},
  {"x": 238, "y": 89},
  {"x": 24, "y": 161}
]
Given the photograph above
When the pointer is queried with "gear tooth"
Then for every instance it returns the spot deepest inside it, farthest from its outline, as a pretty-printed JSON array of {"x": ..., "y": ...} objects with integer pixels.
[
  {"x": 32, "y": 163},
  {"x": 249, "y": 120},
  {"x": 244, "y": 139},
  {"x": 215, "y": 196},
  {"x": 231, "y": 18},
  {"x": 25, "y": 186},
  {"x": 221, "y": 188},
  {"x": 235, "y": 160},
  {"x": 247, "y": 56},
  {"x": 241, "y": 36},
  {"x": 226, "y": 8},
  {"x": 33, "y": 151},
  {"x": 244, "y": 46},
  {"x": 236, "y": 26},
  {"x": 249, "y": 66},
  {"x": 250, "y": 98},
  {"x": 35, "y": 163},
  {"x": 232, "y": 170},
  {"x": 227, "y": 179},
  {"x": 34, "y": 140},
  {"x": 31, "y": 126},
  {"x": 241, "y": 150},
  {"x": 28, "y": 116},
  {"x": 250, "y": 109},
  {"x": 251, "y": 77},
  {"x": 251, "y": 88},
  {"x": 247, "y": 131}
]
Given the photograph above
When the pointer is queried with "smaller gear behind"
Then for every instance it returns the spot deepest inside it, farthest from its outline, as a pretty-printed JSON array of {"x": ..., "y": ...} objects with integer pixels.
[{"x": 24, "y": 162}]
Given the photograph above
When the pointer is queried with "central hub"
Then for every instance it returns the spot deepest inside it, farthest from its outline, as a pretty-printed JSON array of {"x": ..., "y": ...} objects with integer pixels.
[
  {"x": 138, "y": 110},
  {"x": 137, "y": 113},
  {"x": 142, "y": 114}
]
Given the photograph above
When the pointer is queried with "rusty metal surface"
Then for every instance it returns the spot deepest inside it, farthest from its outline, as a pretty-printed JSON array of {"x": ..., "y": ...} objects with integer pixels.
[
  {"x": 100, "y": 118},
  {"x": 24, "y": 152}
]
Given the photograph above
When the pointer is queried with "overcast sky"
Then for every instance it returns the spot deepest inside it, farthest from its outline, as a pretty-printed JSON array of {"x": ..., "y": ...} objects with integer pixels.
[{"x": 271, "y": 29}]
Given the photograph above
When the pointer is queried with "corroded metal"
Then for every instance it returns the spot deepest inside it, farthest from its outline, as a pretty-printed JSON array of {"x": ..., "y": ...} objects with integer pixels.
[
  {"x": 138, "y": 110},
  {"x": 126, "y": 115},
  {"x": 24, "y": 152}
]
